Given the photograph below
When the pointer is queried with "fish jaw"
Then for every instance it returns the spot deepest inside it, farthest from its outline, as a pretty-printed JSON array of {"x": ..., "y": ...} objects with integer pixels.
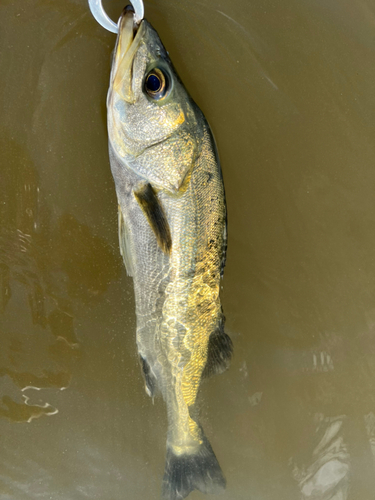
[{"x": 128, "y": 40}]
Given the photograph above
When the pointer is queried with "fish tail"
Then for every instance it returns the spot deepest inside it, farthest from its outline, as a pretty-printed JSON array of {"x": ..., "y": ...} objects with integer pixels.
[{"x": 194, "y": 471}]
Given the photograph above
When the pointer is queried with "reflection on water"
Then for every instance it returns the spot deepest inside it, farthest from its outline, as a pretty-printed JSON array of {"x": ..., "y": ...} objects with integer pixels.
[
  {"x": 44, "y": 271},
  {"x": 326, "y": 475},
  {"x": 288, "y": 90},
  {"x": 24, "y": 412}
]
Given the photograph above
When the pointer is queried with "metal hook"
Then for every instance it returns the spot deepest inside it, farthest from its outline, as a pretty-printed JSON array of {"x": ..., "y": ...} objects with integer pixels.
[{"x": 100, "y": 15}]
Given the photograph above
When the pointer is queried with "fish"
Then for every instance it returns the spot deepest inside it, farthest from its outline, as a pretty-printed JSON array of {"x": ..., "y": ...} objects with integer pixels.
[{"x": 172, "y": 222}]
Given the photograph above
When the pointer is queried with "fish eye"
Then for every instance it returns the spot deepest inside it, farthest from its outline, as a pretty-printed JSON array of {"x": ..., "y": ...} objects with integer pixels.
[{"x": 156, "y": 84}]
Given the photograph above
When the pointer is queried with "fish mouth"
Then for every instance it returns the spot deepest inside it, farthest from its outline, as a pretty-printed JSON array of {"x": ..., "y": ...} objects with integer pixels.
[{"x": 128, "y": 40}]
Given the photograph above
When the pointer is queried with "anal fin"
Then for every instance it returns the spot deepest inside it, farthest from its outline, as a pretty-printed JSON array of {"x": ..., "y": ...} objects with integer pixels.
[
  {"x": 150, "y": 380},
  {"x": 151, "y": 207}
]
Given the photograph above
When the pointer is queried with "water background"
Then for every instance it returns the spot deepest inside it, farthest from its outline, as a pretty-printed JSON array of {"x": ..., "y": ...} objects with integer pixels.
[{"x": 288, "y": 88}]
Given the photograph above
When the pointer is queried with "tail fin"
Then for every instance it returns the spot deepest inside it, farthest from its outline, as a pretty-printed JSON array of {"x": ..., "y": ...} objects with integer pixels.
[{"x": 187, "y": 472}]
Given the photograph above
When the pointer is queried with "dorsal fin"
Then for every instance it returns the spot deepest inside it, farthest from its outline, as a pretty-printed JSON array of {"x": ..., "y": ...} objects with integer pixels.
[
  {"x": 220, "y": 348},
  {"x": 151, "y": 207},
  {"x": 224, "y": 247},
  {"x": 125, "y": 244}
]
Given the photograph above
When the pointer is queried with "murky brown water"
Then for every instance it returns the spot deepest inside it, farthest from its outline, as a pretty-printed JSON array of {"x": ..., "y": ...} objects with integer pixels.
[{"x": 288, "y": 87}]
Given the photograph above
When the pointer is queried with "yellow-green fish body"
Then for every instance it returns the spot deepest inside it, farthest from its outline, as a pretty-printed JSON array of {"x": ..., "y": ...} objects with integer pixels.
[{"x": 172, "y": 227}]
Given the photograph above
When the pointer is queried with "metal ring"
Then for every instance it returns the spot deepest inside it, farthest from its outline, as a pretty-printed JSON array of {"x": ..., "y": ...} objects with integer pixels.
[{"x": 100, "y": 15}]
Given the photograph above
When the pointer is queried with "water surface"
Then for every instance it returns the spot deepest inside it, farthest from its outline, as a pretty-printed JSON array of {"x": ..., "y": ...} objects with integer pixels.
[{"x": 288, "y": 88}]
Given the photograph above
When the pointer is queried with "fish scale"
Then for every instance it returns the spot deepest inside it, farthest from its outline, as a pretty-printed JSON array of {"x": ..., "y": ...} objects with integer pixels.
[{"x": 173, "y": 238}]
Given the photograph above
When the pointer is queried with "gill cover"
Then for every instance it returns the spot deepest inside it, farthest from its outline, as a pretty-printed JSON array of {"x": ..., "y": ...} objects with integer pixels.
[{"x": 157, "y": 136}]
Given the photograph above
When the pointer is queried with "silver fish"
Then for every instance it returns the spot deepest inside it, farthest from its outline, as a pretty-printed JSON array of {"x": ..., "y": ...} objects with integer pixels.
[{"x": 172, "y": 231}]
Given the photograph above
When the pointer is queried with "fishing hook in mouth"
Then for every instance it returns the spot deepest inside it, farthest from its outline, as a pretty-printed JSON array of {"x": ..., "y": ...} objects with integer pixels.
[{"x": 97, "y": 10}]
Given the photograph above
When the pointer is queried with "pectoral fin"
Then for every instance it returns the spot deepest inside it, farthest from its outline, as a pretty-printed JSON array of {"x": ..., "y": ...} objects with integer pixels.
[
  {"x": 155, "y": 215},
  {"x": 125, "y": 244}
]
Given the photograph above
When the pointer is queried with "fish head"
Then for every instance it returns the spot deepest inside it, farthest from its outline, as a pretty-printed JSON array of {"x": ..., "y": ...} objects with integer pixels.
[{"x": 154, "y": 126}]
